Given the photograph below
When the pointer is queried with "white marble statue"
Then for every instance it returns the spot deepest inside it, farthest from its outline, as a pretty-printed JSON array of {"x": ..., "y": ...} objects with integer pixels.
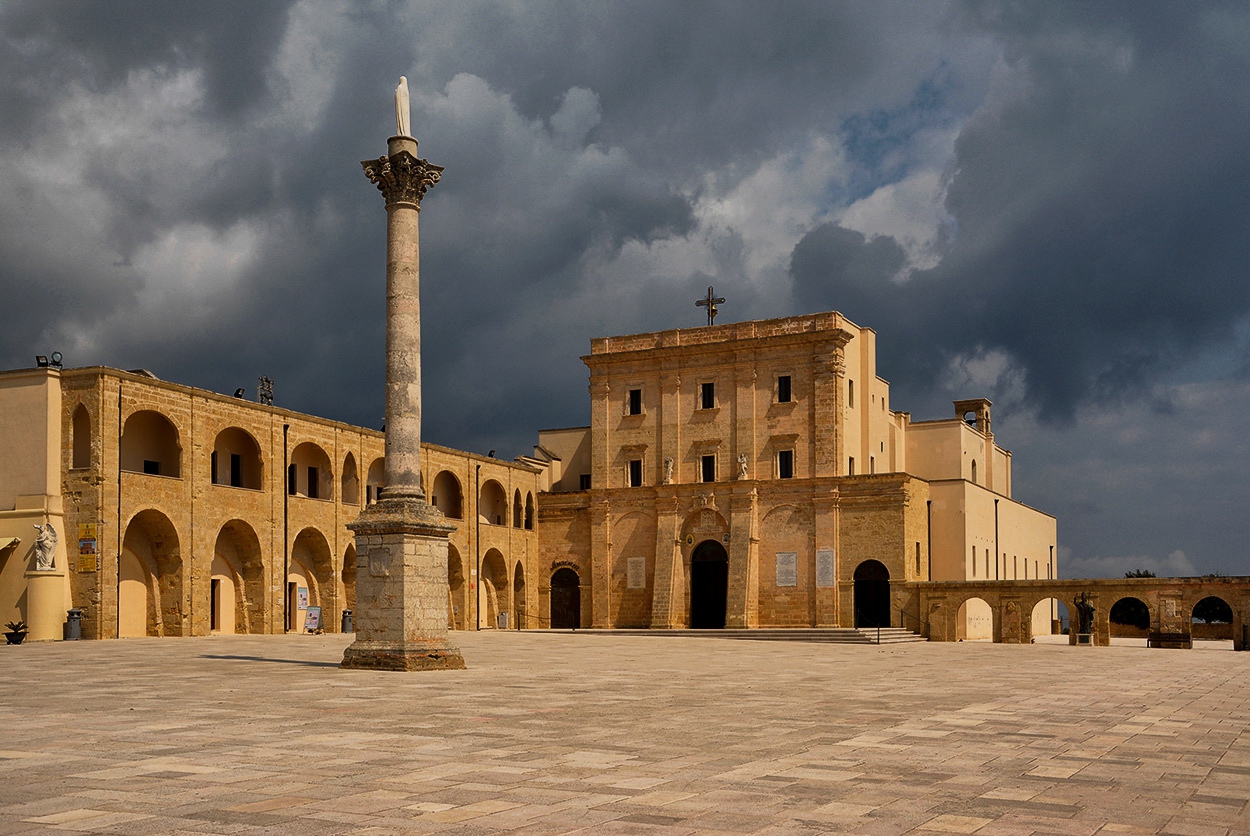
[
  {"x": 45, "y": 547},
  {"x": 668, "y": 470},
  {"x": 402, "y": 123},
  {"x": 742, "y": 465}
]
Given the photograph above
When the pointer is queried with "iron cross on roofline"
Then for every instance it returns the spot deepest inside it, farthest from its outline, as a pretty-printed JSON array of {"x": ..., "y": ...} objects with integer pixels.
[{"x": 710, "y": 303}]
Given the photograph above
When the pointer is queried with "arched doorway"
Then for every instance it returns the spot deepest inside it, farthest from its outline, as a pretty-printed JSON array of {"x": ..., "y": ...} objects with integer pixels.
[
  {"x": 149, "y": 583},
  {"x": 1212, "y": 619},
  {"x": 974, "y": 621},
  {"x": 518, "y": 597},
  {"x": 495, "y": 590},
  {"x": 709, "y": 585},
  {"x": 872, "y": 594},
  {"x": 566, "y": 600},
  {"x": 1130, "y": 618},
  {"x": 455, "y": 588}
]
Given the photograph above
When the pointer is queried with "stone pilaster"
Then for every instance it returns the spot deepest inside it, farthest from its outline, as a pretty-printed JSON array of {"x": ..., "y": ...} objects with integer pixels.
[
  {"x": 401, "y": 540},
  {"x": 600, "y": 565},
  {"x": 668, "y": 580},
  {"x": 742, "y": 597},
  {"x": 827, "y": 442}
]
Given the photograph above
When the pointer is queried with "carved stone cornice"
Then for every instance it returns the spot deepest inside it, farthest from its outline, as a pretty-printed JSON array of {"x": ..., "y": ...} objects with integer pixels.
[{"x": 402, "y": 178}]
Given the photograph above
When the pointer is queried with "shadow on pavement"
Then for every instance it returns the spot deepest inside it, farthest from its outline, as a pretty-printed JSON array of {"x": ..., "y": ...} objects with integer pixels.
[{"x": 266, "y": 659}]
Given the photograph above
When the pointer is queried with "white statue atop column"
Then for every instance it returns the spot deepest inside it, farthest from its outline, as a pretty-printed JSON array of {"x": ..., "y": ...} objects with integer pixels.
[{"x": 403, "y": 124}]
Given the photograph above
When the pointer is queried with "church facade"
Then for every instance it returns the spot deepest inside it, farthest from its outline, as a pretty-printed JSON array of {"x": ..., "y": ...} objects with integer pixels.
[{"x": 754, "y": 474}]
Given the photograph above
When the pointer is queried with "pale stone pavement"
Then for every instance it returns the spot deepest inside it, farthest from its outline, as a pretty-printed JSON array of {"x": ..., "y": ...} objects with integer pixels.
[{"x": 600, "y": 734}]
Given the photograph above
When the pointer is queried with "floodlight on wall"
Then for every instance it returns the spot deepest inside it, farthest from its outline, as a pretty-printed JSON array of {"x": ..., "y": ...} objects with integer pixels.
[
  {"x": 41, "y": 360},
  {"x": 57, "y": 359},
  {"x": 240, "y": 392}
]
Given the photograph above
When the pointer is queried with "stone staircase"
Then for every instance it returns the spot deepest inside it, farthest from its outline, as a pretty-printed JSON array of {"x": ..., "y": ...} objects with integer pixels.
[{"x": 827, "y": 635}]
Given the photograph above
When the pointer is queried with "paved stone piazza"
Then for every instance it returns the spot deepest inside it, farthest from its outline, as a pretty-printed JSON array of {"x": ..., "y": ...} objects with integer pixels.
[{"x": 603, "y": 734}]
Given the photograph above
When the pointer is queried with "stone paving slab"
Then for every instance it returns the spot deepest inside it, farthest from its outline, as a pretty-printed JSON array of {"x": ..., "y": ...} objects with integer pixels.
[{"x": 563, "y": 733}]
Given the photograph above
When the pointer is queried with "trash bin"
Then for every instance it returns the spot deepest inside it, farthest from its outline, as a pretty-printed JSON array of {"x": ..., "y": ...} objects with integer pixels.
[
  {"x": 347, "y": 621},
  {"x": 73, "y": 625},
  {"x": 503, "y": 621}
]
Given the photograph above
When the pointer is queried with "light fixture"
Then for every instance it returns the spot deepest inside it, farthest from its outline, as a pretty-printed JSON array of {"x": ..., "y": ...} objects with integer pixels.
[
  {"x": 56, "y": 359},
  {"x": 240, "y": 392},
  {"x": 41, "y": 360}
]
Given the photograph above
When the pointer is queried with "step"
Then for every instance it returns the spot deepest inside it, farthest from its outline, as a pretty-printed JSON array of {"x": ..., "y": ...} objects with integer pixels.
[{"x": 829, "y": 635}]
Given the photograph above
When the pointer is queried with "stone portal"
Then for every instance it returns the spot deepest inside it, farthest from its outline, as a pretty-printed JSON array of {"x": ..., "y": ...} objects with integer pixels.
[{"x": 709, "y": 585}]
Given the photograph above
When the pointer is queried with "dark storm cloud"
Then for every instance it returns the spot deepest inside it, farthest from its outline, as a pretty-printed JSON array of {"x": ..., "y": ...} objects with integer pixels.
[{"x": 1100, "y": 221}]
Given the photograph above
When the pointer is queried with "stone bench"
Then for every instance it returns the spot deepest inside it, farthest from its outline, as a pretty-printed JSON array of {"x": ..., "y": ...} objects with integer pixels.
[{"x": 1181, "y": 640}]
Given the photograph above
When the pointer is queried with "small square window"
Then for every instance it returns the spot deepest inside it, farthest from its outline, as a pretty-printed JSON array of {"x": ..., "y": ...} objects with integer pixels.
[
  {"x": 785, "y": 464},
  {"x": 707, "y": 396},
  {"x": 312, "y": 482},
  {"x": 783, "y": 389},
  {"x": 635, "y": 401},
  {"x": 583, "y": 482},
  {"x": 151, "y": 468},
  {"x": 707, "y": 467},
  {"x": 635, "y": 473}
]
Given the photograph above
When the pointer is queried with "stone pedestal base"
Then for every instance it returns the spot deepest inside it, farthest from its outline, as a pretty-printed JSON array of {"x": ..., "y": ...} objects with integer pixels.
[
  {"x": 45, "y": 604},
  {"x": 401, "y": 589}
]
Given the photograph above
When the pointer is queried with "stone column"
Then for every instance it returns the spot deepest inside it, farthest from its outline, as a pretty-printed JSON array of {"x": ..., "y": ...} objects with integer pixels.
[{"x": 401, "y": 540}]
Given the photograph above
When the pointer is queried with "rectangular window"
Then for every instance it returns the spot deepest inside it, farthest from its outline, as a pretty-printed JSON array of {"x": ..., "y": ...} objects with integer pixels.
[
  {"x": 785, "y": 464},
  {"x": 151, "y": 468},
  {"x": 850, "y": 467},
  {"x": 290, "y": 480},
  {"x": 872, "y": 464},
  {"x": 368, "y": 494},
  {"x": 212, "y": 467},
  {"x": 850, "y": 394},
  {"x": 312, "y": 482},
  {"x": 707, "y": 467},
  {"x": 917, "y": 559},
  {"x": 236, "y": 470},
  {"x": 974, "y": 561},
  {"x": 635, "y": 401},
  {"x": 783, "y": 389},
  {"x": 707, "y": 396},
  {"x": 635, "y": 473},
  {"x": 583, "y": 482}
]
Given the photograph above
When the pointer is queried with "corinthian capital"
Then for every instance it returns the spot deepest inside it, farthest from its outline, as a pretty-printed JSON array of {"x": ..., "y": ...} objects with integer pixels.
[{"x": 402, "y": 178}]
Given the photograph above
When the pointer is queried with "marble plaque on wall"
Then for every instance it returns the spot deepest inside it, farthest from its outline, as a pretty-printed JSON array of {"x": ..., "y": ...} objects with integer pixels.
[
  {"x": 787, "y": 569},
  {"x": 825, "y": 576},
  {"x": 636, "y": 573}
]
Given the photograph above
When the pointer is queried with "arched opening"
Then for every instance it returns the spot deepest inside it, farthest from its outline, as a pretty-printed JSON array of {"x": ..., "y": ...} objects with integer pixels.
[
  {"x": 348, "y": 576},
  {"x": 375, "y": 480},
  {"x": 529, "y": 511},
  {"x": 455, "y": 589},
  {"x": 309, "y": 473},
  {"x": 150, "y": 445},
  {"x": 349, "y": 482},
  {"x": 566, "y": 600},
  {"x": 237, "y": 595},
  {"x": 517, "y": 509},
  {"x": 236, "y": 460},
  {"x": 1212, "y": 619},
  {"x": 872, "y": 594},
  {"x": 518, "y": 596},
  {"x": 492, "y": 505},
  {"x": 974, "y": 621},
  {"x": 309, "y": 579},
  {"x": 82, "y": 437},
  {"x": 709, "y": 585},
  {"x": 1130, "y": 618},
  {"x": 1050, "y": 618},
  {"x": 447, "y": 496},
  {"x": 150, "y": 578},
  {"x": 974, "y": 471},
  {"x": 495, "y": 588}
]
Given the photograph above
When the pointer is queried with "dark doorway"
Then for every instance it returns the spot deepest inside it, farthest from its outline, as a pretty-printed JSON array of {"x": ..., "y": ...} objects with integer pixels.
[
  {"x": 566, "y": 600},
  {"x": 709, "y": 585},
  {"x": 214, "y": 605},
  {"x": 872, "y": 594}
]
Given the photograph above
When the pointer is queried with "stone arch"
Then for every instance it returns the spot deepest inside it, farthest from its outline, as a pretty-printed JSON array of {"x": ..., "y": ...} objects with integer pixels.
[
  {"x": 974, "y": 621},
  {"x": 518, "y": 596},
  {"x": 518, "y": 509},
  {"x": 150, "y": 445},
  {"x": 81, "y": 427},
  {"x": 1130, "y": 617},
  {"x": 496, "y": 591},
  {"x": 236, "y": 460},
  {"x": 709, "y": 585},
  {"x": 872, "y": 594},
  {"x": 150, "y": 583},
  {"x": 375, "y": 480},
  {"x": 310, "y": 562},
  {"x": 239, "y": 571},
  {"x": 309, "y": 473},
  {"x": 566, "y": 599},
  {"x": 1212, "y": 617},
  {"x": 349, "y": 482},
  {"x": 455, "y": 589},
  {"x": 492, "y": 504},
  {"x": 1049, "y": 617},
  {"x": 348, "y": 575},
  {"x": 447, "y": 496},
  {"x": 529, "y": 510}
]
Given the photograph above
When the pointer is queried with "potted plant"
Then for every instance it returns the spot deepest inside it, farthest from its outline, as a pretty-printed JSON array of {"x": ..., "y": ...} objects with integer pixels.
[{"x": 16, "y": 631}]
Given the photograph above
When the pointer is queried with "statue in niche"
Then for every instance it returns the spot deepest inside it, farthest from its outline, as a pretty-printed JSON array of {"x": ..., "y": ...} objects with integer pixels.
[
  {"x": 668, "y": 470},
  {"x": 1085, "y": 614},
  {"x": 742, "y": 465},
  {"x": 402, "y": 117},
  {"x": 45, "y": 548}
]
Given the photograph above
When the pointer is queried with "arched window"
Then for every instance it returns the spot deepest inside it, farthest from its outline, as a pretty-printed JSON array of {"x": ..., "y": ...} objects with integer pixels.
[
  {"x": 150, "y": 445},
  {"x": 375, "y": 481},
  {"x": 309, "y": 473},
  {"x": 974, "y": 471},
  {"x": 492, "y": 505},
  {"x": 236, "y": 460},
  {"x": 349, "y": 489},
  {"x": 529, "y": 511},
  {"x": 517, "y": 509},
  {"x": 82, "y": 437},
  {"x": 447, "y": 496}
]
